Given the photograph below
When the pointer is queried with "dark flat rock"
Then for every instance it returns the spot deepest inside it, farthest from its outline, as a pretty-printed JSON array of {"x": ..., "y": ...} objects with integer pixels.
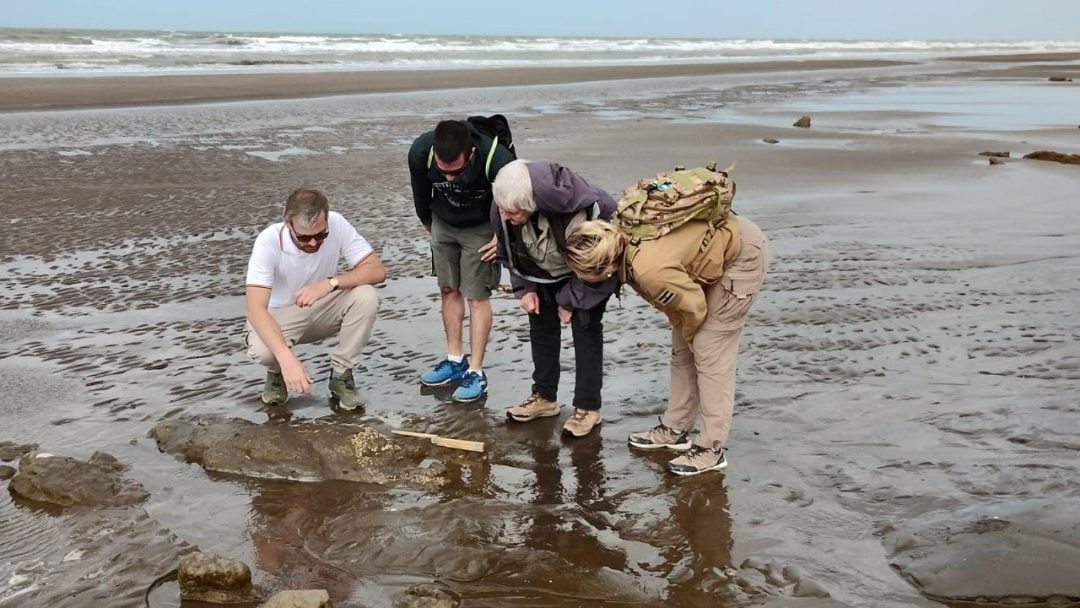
[
  {"x": 302, "y": 451},
  {"x": 67, "y": 482}
]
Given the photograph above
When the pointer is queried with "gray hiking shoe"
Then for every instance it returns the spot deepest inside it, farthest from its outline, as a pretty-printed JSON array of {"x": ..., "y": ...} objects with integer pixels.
[
  {"x": 343, "y": 387},
  {"x": 698, "y": 460},
  {"x": 660, "y": 436},
  {"x": 532, "y": 408},
  {"x": 274, "y": 391}
]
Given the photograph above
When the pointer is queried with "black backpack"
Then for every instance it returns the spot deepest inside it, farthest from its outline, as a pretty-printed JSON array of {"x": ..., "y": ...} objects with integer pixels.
[{"x": 497, "y": 128}]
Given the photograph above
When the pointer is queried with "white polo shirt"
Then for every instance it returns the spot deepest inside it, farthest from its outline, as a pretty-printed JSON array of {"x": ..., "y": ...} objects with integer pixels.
[{"x": 277, "y": 263}]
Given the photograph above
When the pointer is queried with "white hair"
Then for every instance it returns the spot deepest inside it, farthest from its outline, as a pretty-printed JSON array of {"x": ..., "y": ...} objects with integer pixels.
[{"x": 512, "y": 188}]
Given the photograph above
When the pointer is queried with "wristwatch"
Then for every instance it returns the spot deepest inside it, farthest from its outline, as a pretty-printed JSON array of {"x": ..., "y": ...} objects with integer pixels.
[{"x": 334, "y": 285}]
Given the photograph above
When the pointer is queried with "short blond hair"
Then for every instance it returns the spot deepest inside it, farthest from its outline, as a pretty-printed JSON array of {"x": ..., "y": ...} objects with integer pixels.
[{"x": 594, "y": 250}]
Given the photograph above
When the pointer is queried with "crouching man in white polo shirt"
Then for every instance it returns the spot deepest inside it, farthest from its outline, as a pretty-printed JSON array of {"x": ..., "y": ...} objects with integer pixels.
[{"x": 296, "y": 295}]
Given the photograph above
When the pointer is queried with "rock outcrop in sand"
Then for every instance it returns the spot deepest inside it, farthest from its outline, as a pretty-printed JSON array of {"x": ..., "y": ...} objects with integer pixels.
[
  {"x": 427, "y": 595},
  {"x": 301, "y": 598},
  {"x": 10, "y": 451},
  {"x": 101, "y": 543},
  {"x": 1057, "y": 157},
  {"x": 307, "y": 452},
  {"x": 67, "y": 482},
  {"x": 205, "y": 577}
]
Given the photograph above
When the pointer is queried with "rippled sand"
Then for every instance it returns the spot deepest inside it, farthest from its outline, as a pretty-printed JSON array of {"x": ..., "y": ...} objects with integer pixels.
[{"x": 915, "y": 350}]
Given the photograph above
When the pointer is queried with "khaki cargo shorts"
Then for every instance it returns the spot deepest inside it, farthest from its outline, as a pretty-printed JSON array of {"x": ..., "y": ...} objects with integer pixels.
[{"x": 456, "y": 259}]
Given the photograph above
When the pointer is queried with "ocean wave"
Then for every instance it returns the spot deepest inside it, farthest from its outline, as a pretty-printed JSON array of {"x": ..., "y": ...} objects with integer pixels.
[
  {"x": 255, "y": 62},
  {"x": 32, "y": 51}
]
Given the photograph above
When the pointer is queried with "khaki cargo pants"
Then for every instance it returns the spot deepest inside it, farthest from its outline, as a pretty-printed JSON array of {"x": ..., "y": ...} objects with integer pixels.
[
  {"x": 703, "y": 373},
  {"x": 348, "y": 314}
]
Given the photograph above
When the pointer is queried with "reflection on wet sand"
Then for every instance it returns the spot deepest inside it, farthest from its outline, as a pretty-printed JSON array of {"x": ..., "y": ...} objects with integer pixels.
[
  {"x": 564, "y": 541},
  {"x": 571, "y": 510},
  {"x": 700, "y": 511},
  {"x": 285, "y": 516}
]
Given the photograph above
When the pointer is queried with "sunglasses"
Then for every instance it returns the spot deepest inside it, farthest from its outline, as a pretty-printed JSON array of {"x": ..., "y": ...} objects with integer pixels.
[
  {"x": 307, "y": 238},
  {"x": 455, "y": 172}
]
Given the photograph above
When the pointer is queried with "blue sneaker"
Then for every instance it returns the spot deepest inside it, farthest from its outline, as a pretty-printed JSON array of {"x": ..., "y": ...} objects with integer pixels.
[
  {"x": 445, "y": 372},
  {"x": 473, "y": 386}
]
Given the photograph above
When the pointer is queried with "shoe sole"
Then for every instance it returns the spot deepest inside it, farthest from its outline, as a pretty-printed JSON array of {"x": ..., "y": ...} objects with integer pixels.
[
  {"x": 476, "y": 398},
  {"x": 443, "y": 383},
  {"x": 358, "y": 406},
  {"x": 547, "y": 414},
  {"x": 674, "y": 447},
  {"x": 265, "y": 402},
  {"x": 717, "y": 467}
]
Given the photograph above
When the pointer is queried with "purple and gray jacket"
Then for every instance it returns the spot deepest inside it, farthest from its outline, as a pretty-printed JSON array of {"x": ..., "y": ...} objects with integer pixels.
[{"x": 559, "y": 193}]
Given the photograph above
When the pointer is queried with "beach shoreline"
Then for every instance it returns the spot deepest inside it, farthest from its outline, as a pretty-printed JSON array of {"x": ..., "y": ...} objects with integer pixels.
[
  {"x": 27, "y": 93},
  {"x": 43, "y": 93}
]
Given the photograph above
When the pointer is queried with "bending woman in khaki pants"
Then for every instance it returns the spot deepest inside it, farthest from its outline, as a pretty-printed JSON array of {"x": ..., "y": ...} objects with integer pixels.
[{"x": 706, "y": 293}]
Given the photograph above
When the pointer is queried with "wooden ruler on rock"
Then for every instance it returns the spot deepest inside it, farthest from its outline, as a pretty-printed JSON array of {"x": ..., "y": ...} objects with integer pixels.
[{"x": 446, "y": 442}]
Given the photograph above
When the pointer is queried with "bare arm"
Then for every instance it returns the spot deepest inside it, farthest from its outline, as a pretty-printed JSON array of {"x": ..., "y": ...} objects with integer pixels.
[
  {"x": 256, "y": 305},
  {"x": 368, "y": 271}
]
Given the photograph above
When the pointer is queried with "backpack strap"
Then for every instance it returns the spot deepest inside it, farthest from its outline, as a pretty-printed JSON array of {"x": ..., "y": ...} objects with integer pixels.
[
  {"x": 490, "y": 155},
  {"x": 730, "y": 224},
  {"x": 630, "y": 251}
]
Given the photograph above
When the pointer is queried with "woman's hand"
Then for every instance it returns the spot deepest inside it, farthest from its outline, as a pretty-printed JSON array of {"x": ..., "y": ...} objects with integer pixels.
[
  {"x": 487, "y": 252},
  {"x": 530, "y": 303},
  {"x": 565, "y": 315}
]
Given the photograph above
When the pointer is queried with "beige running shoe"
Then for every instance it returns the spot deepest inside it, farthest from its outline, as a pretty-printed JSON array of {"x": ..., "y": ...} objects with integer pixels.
[
  {"x": 698, "y": 460},
  {"x": 581, "y": 422},
  {"x": 532, "y": 408},
  {"x": 660, "y": 436}
]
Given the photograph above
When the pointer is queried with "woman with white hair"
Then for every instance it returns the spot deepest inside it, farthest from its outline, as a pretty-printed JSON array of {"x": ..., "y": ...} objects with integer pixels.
[
  {"x": 537, "y": 203},
  {"x": 705, "y": 282}
]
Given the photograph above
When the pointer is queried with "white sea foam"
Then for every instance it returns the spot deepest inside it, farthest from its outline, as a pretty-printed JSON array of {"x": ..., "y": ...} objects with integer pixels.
[{"x": 36, "y": 52}]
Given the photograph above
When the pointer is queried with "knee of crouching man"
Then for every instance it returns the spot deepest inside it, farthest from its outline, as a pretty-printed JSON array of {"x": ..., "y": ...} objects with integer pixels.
[{"x": 366, "y": 297}]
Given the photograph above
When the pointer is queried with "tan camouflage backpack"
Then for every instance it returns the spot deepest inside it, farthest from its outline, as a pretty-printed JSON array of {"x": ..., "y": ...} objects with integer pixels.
[{"x": 655, "y": 206}]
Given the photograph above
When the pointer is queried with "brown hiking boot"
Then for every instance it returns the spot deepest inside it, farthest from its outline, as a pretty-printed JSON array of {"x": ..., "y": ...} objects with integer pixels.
[
  {"x": 274, "y": 391},
  {"x": 581, "y": 422},
  {"x": 532, "y": 408},
  {"x": 343, "y": 387}
]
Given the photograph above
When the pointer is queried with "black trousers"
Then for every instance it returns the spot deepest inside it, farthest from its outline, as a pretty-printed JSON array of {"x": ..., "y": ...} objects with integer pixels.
[{"x": 545, "y": 335}]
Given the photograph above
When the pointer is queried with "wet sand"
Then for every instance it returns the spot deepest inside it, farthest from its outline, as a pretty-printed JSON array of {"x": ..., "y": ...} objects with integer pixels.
[
  {"x": 46, "y": 93},
  {"x": 914, "y": 353}
]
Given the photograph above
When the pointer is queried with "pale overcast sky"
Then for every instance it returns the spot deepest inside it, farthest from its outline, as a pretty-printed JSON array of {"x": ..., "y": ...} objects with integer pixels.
[{"x": 874, "y": 19}]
